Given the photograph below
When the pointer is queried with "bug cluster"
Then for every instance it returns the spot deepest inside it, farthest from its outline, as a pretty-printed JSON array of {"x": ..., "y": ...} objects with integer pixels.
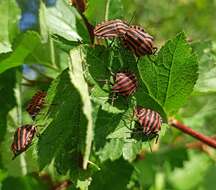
[
  {"x": 24, "y": 135},
  {"x": 133, "y": 37},
  {"x": 138, "y": 41}
]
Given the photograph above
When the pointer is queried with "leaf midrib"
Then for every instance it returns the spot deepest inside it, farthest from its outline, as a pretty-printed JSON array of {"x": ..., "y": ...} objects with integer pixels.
[{"x": 170, "y": 71}]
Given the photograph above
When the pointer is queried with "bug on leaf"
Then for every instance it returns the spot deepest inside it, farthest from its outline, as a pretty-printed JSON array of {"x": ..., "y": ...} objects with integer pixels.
[
  {"x": 22, "y": 139},
  {"x": 138, "y": 41},
  {"x": 125, "y": 83},
  {"x": 36, "y": 103},
  {"x": 110, "y": 29},
  {"x": 149, "y": 123}
]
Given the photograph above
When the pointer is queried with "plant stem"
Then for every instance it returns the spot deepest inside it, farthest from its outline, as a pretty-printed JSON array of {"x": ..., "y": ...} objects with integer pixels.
[
  {"x": 207, "y": 140},
  {"x": 19, "y": 117},
  {"x": 52, "y": 53},
  {"x": 107, "y": 10}
]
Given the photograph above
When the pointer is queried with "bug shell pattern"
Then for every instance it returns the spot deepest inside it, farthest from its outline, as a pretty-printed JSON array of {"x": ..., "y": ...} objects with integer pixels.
[
  {"x": 36, "y": 103},
  {"x": 125, "y": 83},
  {"x": 149, "y": 120},
  {"x": 22, "y": 139},
  {"x": 110, "y": 29},
  {"x": 138, "y": 41}
]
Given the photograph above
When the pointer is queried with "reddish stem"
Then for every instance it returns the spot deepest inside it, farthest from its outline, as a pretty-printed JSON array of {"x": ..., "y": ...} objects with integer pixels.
[{"x": 207, "y": 140}]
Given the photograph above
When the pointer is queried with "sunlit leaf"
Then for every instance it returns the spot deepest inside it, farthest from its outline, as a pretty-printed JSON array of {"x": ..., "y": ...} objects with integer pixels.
[
  {"x": 10, "y": 14},
  {"x": 171, "y": 78}
]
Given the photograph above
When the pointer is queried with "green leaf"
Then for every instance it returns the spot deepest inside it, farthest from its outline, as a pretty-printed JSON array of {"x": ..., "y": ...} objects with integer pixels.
[
  {"x": 22, "y": 49},
  {"x": 191, "y": 175},
  {"x": 105, "y": 124},
  {"x": 78, "y": 80},
  {"x": 209, "y": 178},
  {"x": 115, "y": 9},
  {"x": 113, "y": 175},
  {"x": 206, "y": 82},
  {"x": 9, "y": 24},
  {"x": 97, "y": 61},
  {"x": 131, "y": 149},
  {"x": 7, "y": 100},
  {"x": 112, "y": 150},
  {"x": 171, "y": 79},
  {"x": 63, "y": 139},
  {"x": 145, "y": 100},
  {"x": 63, "y": 20},
  {"x": 147, "y": 165},
  {"x": 199, "y": 113},
  {"x": 97, "y": 11},
  {"x": 112, "y": 136},
  {"x": 24, "y": 183}
]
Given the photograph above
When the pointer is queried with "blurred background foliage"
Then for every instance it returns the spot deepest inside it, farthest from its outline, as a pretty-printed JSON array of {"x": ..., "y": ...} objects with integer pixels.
[{"x": 31, "y": 61}]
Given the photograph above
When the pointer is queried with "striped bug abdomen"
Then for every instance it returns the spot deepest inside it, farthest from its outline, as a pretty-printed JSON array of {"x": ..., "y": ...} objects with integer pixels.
[
  {"x": 138, "y": 41},
  {"x": 36, "y": 103},
  {"x": 111, "y": 29},
  {"x": 22, "y": 138},
  {"x": 125, "y": 83},
  {"x": 149, "y": 120}
]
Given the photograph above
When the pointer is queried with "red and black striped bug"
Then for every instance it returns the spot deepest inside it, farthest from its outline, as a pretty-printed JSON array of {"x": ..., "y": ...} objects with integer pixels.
[
  {"x": 36, "y": 103},
  {"x": 22, "y": 139},
  {"x": 138, "y": 41},
  {"x": 149, "y": 123},
  {"x": 125, "y": 83},
  {"x": 110, "y": 29}
]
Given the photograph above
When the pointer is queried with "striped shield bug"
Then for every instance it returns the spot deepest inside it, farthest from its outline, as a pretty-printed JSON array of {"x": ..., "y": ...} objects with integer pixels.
[
  {"x": 36, "y": 103},
  {"x": 149, "y": 123},
  {"x": 22, "y": 139},
  {"x": 110, "y": 29},
  {"x": 138, "y": 41},
  {"x": 125, "y": 83}
]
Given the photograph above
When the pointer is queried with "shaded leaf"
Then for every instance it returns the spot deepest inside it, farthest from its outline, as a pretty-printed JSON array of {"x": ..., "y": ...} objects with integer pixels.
[
  {"x": 63, "y": 140},
  {"x": 21, "y": 50},
  {"x": 24, "y": 183},
  {"x": 113, "y": 175},
  {"x": 7, "y": 100}
]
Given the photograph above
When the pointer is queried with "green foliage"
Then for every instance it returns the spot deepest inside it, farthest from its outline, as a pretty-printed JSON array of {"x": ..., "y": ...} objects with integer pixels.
[
  {"x": 62, "y": 20},
  {"x": 25, "y": 183},
  {"x": 22, "y": 48},
  {"x": 99, "y": 11},
  {"x": 9, "y": 24},
  {"x": 85, "y": 130},
  {"x": 171, "y": 79},
  {"x": 148, "y": 167},
  {"x": 113, "y": 175},
  {"x": 63, "y": 138},
  {"x": 7, "y": 100},
  {"x": 207, "y": 56},
  {"x": 190, "y": 179}
]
